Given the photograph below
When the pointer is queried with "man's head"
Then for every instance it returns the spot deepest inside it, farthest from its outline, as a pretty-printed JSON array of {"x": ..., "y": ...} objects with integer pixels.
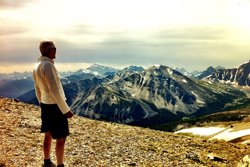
[{"x": 48, "y": 49}]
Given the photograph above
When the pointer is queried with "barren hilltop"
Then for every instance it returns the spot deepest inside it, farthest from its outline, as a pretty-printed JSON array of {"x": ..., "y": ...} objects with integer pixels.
[{"x": 96, "y": 143}]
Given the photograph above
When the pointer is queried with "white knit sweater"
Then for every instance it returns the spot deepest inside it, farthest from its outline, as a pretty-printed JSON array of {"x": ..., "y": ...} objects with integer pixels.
[{"x": 48, "y": 86}]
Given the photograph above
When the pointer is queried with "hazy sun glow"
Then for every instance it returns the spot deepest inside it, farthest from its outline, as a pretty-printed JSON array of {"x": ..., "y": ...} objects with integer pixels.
[{"x": 27, "y": 67}]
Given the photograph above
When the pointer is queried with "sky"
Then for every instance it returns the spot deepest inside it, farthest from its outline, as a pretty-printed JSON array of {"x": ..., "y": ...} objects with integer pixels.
[{"x": 193, "y": 34}]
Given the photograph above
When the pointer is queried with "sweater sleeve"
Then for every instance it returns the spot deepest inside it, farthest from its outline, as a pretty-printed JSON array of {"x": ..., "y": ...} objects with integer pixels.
[
  {"x": 50, "y": 76},
  {"x": 37, "y": 90},
  {"x": 38, "y": 93}
]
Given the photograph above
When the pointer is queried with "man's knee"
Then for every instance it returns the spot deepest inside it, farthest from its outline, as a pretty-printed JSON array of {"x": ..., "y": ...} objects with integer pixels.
[
  {"x": 61, "y": 141},
  {"x": 48, "y": 135}
]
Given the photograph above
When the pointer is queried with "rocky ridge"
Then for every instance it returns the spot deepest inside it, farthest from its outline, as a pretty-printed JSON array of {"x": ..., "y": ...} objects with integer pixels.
[
  {"x": 95, "y": 143},
  {"x": 144, "y": 97},
  {"x": 239, "y": 76}
]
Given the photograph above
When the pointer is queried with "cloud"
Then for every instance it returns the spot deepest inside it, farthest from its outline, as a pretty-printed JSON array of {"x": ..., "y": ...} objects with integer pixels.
[
  {"x": 22, "y": 49},
  {"x": 9, "y": 29},
  {"x": 15, "y": 41},
  {"x": 79, "y": 29},
  {"x": 190, "y": 47},
  {"x": 13, "y": 4},
  {"x": 11, "y": 26},
  {"x": 199, "y": 33},
  {"x": 83, "y": 35},
  {"x": 195, "y": 47}
]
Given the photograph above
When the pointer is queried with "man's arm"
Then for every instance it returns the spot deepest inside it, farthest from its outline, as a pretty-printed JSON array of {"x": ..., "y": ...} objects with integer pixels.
[
  {"x": 37, "y": 90},
  {"x": 50, "y": 78},
  {"x": 38, "y": 93}
]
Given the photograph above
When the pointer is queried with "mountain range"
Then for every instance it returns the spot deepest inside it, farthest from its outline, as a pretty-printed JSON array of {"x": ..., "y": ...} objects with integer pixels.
[
  {"x": 15, "y": 75},
  {"x": 18, "y": 84},
  {"x": 153, "y": 96},
  {"x": 15, "y": 88},
  {"x": 239, "y": 76}
]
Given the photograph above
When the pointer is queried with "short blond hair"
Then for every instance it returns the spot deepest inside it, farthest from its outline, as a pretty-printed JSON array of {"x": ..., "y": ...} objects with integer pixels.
[{"x": 45, "y": 46}]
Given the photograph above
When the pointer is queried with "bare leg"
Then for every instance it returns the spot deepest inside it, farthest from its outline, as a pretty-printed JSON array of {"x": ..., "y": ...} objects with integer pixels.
[
  {"x": 47, "y": 145},
  {"x": 60, "y": 150}
]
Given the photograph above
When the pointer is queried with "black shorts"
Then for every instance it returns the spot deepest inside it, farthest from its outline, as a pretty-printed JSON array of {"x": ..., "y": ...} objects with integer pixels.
[{"x": 54, "y": 121}]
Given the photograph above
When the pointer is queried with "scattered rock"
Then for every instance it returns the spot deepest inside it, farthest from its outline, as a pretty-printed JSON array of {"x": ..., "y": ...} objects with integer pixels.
[
  {"x": 132, "y": 164},
  {"x": 214, "y": 157},
  {"x": 245, "y": 162},
  {"x": 193, "y": 156},
  {"x": 17, "y": 100}
]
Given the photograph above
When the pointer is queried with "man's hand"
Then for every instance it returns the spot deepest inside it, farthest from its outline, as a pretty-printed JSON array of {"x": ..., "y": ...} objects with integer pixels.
[{"x": 69, "y": 114}]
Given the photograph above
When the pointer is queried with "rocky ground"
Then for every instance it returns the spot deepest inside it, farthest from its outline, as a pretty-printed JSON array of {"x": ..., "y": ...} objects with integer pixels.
[{"x": 96, "y": 143}]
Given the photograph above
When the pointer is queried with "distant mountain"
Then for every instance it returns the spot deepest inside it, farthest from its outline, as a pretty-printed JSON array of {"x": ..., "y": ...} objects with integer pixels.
[
  {"x": 77, "y": 77},
  {"x": 4, "y": 82},
  {"x": 29, "y": 97},
  {"x": 71, "y": 81},
  {"x": 79, "y": 72},
  {"x": 100, "y": 70},
  {"x": 20, "y": 85},
  {"x": 183, "y": 71},
  {"x": 220, "y": 67},
  {"x": 72, "y": 91},
  {"x": 25, "y": 75},
  {"x": 76, "y": 82},
  {"x": 239, "y": 76},
  {"x": 15, "y": 76},
  {"x": 128, "y": 70},
  {"x": 97, "y": 70},
  {"x": 148, "y": 97},
  {"x": 156, "y": 95},
  {"x": 195, "y": 73},
  {"x": 133, "y": 69},
  {"x": 65, "y": 74},
  {"x": 205, "y": 73},
  {"x": 15, "y": 88}
]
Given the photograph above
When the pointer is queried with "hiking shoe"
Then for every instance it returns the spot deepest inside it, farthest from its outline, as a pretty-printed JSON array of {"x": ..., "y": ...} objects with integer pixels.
[{"x": 51, "y": 165}]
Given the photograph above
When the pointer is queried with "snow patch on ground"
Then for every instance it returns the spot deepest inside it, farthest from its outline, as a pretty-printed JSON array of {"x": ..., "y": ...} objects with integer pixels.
[
  {"x": 202, "y": 131},
  {"x": 229, "y": 135},
  {"x": 226, "y": 134}
]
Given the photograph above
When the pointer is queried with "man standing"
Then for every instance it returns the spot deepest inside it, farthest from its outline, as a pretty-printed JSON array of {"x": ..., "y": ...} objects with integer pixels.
[{"x": 54, "y": 109}]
